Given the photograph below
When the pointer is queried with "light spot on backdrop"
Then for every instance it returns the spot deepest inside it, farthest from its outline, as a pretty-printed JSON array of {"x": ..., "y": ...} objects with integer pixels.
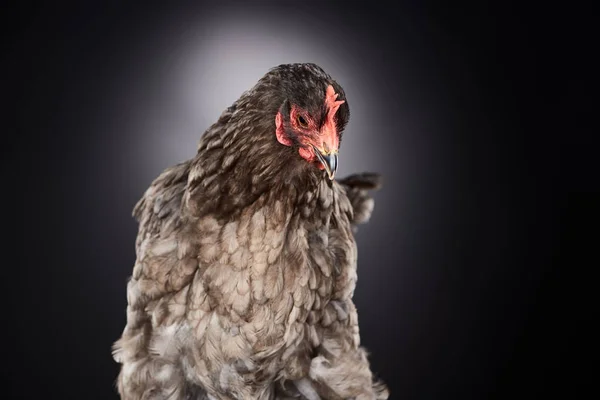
[{"x": 211, "y": 62}]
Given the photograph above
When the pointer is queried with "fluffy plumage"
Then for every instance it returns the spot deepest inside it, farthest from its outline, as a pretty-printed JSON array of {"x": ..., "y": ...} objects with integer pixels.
[{"x": 246, "y": 263}]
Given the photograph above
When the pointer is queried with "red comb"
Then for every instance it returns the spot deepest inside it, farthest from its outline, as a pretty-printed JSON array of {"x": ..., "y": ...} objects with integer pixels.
[{"x": 331, "y": 102}]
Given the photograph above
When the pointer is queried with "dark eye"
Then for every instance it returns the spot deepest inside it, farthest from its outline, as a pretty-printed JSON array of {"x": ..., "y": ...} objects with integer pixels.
[{"x": 302, "y": 121}]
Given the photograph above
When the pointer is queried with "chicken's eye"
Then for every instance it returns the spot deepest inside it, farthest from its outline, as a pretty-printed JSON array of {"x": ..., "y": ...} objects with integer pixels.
[{"x": 302, "y": 121}]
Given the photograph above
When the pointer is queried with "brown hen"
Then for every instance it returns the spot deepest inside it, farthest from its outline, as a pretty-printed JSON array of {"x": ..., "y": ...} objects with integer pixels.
[{"x": 246, "y": 260}]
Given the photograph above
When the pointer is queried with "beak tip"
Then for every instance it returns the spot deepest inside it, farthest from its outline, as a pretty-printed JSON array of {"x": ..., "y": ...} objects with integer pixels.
[{"x": 329, "y": 161}]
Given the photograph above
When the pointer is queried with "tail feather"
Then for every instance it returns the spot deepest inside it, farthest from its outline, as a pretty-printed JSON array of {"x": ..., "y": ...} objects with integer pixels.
[{"x": 357, "y": 187}]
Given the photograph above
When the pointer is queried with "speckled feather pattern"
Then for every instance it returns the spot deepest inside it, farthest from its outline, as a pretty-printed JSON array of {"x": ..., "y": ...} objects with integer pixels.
[{"x": 246, "y": 266}]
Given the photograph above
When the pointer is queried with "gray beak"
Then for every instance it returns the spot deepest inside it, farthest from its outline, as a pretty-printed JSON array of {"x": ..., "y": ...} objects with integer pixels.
[{"x": 329, "y": 161}]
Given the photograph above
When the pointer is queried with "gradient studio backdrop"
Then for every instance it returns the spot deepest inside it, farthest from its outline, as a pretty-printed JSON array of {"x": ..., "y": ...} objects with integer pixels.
[{"x": 456, "y": 267}]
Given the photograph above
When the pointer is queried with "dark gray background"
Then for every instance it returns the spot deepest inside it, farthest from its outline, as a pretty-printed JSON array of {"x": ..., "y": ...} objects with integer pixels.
[{"x": 473, "y": 276}]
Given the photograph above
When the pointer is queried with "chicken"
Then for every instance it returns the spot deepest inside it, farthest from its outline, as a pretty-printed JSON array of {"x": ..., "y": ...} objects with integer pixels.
[{"x": 246, "y": 260}]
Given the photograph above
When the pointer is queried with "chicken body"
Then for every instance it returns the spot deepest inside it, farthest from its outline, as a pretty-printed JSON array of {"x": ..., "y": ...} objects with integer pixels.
[{"x": 246, "y": 267}]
